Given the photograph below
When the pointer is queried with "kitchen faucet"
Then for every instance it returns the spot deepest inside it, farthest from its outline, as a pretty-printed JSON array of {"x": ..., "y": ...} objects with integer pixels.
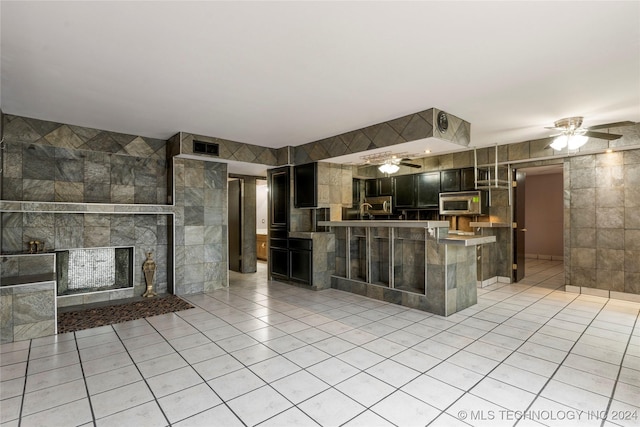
[{"x": 362, "y": 209}]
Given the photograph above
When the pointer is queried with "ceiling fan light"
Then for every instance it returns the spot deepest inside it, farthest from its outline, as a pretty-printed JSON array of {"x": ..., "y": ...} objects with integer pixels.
[
  {"x": 577, "y": 141},
  {"x": 559, "y": 143},
  {"x": 388, "y": 168}
]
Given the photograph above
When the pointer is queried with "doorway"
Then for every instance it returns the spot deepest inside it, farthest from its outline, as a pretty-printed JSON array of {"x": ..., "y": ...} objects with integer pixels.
[
  {"x": 539, "y": 214},
  {"x": 235, "y": 223}
]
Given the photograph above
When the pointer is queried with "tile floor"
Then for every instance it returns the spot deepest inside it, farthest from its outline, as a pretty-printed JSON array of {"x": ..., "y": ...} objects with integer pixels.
[{"x": 270, "y": 354}]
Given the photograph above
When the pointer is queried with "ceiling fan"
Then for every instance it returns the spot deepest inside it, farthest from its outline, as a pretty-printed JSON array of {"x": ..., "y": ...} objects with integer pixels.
[
  {"x": 389, "y": 163},
  {"x": 573, "y": 136}
]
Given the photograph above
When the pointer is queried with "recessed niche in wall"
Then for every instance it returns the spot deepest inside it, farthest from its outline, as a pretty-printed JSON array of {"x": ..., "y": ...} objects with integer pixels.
[{"x": 86, "y": 270}]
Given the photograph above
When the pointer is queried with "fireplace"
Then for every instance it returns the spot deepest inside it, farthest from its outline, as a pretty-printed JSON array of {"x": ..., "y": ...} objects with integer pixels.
[{"x": 87, "y": 270}]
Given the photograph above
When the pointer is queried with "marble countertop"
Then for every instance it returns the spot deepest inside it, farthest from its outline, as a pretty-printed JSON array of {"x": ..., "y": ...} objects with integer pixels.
[
  {"x": 485, "y": 224},
  {"x": 467, "y": 240},
  {"x": 384, "y": 223}
]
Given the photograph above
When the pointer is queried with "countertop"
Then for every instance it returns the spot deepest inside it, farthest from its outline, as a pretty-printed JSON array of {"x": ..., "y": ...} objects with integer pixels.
[
  {"x": 467, "y": 240},
  {"x": 385, "y": 223},
  {"x": 485, "y": 224}
]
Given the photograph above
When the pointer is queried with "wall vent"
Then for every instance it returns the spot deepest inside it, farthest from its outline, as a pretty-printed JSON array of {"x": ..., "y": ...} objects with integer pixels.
[{"x": 208, "y": 148}]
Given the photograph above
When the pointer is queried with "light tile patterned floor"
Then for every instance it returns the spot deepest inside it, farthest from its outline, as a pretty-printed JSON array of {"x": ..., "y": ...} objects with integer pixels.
[{"x": 266, "y": 353}]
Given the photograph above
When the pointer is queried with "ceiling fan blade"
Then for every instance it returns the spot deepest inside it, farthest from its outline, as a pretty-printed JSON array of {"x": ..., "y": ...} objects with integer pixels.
[
  {"x": 602, "y": 135},
  {"x": 612, "y": 125},
  {"x": 411, "y": 165}
]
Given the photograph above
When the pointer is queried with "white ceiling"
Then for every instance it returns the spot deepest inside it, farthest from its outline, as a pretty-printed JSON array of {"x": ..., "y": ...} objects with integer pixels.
[{"x": 287, "y": 73}]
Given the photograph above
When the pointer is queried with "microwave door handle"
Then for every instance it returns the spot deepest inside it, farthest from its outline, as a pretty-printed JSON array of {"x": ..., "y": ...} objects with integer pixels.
[{"x": 384, "y": 206}]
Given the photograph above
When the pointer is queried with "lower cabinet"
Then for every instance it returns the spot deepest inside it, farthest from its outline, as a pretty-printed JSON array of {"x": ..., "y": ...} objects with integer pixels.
[
  {"x": 292, "y": 259},
  {"x": 300, "y": 260}
]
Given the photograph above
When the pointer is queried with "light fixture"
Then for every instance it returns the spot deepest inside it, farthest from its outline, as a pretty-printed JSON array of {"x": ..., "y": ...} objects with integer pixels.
[
  {"x": 388, "y": 167},
  {"x": 572, "y": 136},
  {"x": 572, "y": 141}
]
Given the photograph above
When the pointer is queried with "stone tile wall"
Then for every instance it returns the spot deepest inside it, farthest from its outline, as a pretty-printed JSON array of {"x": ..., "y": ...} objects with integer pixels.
[
  {"x": 27, "y": 311},
  {"x": 200, "y": 229},
  {"x": 602, "y": 221},
  {"x": 53, "y": 162},
  {"x": 68, "y": 231}
]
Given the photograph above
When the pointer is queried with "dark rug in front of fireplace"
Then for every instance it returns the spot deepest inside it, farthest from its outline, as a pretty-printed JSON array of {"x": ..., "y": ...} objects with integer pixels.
[{"x": 72, "y": 321}]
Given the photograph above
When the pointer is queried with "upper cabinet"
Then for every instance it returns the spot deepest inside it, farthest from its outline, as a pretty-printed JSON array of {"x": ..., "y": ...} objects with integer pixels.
[
  {"x": 305, "y": 183},
  {"x": 404, "y": 193},
  {"x": 279, "y": 197},
  {"x": 428, "y": 189},
  {"x": 467, "y": 179},
  {"x": 385, "y": 186},
  {"x": 450, "y": 180},
  {"x": 371, "y": 187}
]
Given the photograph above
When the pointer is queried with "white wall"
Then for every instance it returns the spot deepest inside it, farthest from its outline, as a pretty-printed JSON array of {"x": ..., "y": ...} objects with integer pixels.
[{"x": 261, "y": 206}]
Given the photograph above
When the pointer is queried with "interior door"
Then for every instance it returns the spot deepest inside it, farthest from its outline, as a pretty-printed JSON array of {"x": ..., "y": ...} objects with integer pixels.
[
  {"x": 519, "y": 231},
  {"x": 235, "y": 225}
]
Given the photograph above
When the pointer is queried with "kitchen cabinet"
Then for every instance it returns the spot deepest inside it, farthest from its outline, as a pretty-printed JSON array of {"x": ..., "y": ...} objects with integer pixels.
[
  {"x": 305, "y": 185},
  {"x": 385, "y": 186},
  {"x": 428, "y": 189},
  {"x": 467, "y": 179},
  {"x": 355, "y": 193},
  {"x": 291, "y": 259},
  {"x": 404, "y": 191},
  {"x": 279, "y": 254},
  {"x": 371, "y": 187},
  {"x": 279, "y": 188},
  {"x": 450, "y": 180},
  {"x": 301, "y": 260}
]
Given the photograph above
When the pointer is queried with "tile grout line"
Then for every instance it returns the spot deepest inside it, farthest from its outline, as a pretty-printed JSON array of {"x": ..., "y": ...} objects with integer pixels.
[
  {"x": 512, "y": 351},
  {"x": 84, "y": 379},
  {"x": 615, "y": 384},
  {"x": 561, "y": 364}
]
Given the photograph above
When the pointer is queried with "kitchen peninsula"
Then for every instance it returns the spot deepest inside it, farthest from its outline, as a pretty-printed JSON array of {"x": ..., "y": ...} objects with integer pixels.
[{"x": 412, "y": 263}]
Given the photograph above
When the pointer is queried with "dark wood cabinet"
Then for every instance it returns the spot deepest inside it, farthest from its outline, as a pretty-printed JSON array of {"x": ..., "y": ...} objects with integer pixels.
[
  {"x": 355, "y": 193},
  {"x": 468, "y": 179},
  {"x": 404, "y": 193},
  {"x": 305, "y": 180},
  {"x": 428, "y": 189},
  {"x": 385, "y": 186},
  {"x": 279, "y": 198},
  {"x": 301, "y": 260},
  {"x": 371, "y": 187},
  {"x": 450, "y": 180}
]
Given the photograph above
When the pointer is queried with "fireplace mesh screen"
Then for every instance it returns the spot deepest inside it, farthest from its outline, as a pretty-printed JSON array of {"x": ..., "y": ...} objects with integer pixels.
[{"x": 93, "y": 268}]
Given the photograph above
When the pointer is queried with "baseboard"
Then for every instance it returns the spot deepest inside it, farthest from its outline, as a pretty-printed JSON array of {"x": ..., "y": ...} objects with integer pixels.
[
  {"x": 544, "y": 257},
  {"x": 624, "y": 296}
]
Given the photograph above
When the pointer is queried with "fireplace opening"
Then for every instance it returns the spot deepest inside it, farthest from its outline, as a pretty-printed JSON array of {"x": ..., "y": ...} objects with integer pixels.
[{"x": 86, "y": 270}]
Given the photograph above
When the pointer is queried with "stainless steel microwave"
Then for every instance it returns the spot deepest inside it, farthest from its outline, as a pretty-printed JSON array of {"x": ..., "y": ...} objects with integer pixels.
[
  {"x": 380, "y": 205},
  {"x": 463, "y": 203}
]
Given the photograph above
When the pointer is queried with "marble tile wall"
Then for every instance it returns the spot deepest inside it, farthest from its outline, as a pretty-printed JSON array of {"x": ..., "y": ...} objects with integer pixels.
[
  {"x": 200, "y": 228},
  {"x": 602, "y": 205},
  {"x": 407, "y": 128},
  {"x": 27, "y": 311},
  {"x": 69, "y": 231},
  {"x": 53, "y": 162}
]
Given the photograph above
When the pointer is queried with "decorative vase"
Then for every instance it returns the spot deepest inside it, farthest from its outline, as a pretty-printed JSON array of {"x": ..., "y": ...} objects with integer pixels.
[{"x": 149, "y": 269}]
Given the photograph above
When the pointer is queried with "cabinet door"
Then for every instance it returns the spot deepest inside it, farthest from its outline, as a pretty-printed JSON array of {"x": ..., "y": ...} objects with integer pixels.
[
  {"x": 467, "y": 179},
  {"x": 450, "y": 180},
  {"x": 279, "y": 261},
  {"x": 404, "y": 194},
  {"x": 279, "y": 197},
  {"x": 428, "y": 189},
  {"x": 371, "y": 188},
  {"x": 385, "y": 186},
  {"x": 305, "y": 178},
  {"x": 355, "y": 193},
  {"x": 301, "y": 266}
]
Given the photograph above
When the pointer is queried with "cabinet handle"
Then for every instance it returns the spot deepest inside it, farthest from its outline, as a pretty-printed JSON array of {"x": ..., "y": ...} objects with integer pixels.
[{"x": 264, "y": 245}]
